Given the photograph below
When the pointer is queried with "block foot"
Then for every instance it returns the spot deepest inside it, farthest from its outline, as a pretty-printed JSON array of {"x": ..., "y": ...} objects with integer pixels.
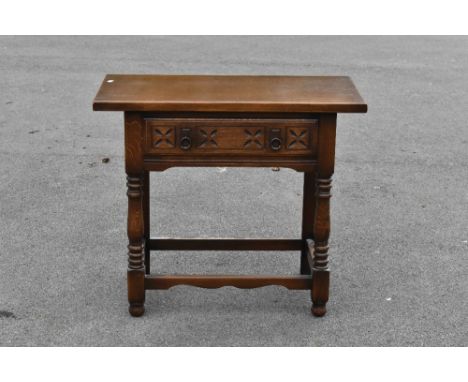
[
  {"x": 136, "y": 310},
  {"x": 319, "y": 310}
]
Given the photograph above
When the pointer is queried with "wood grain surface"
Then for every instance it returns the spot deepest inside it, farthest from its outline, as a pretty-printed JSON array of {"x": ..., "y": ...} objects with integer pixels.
[{"x": 322, "y": 94}]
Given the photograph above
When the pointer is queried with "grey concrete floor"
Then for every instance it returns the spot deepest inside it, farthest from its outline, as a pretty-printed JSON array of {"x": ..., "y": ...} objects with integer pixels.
[{"x": 399, "y": 240}]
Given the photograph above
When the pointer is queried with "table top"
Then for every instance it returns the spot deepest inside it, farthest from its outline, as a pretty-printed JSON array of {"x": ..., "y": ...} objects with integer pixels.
[{"x": 214, "y": 93}]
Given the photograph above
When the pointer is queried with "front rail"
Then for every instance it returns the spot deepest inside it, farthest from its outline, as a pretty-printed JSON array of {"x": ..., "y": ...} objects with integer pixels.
[{"x": 218, "y": 281}]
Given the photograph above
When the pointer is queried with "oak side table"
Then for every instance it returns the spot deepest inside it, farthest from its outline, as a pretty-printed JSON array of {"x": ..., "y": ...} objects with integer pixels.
[{"x": 241, "y": 121}]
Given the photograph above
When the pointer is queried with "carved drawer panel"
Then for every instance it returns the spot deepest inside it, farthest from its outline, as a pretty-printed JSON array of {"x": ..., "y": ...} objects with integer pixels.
[{"x": 210, "y": 136}]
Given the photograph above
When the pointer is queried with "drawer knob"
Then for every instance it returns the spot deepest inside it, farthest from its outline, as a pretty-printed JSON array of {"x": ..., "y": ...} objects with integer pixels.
[
  {"x": 275, "y": 144},
  {"x": 185, "y": 143}
]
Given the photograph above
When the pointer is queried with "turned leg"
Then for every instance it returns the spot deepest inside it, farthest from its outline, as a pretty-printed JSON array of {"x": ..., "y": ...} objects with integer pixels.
[
  {"x": 135, "y": 222},
  {"x": 321, "y": 230},
  {"x": 136, "y": 216},
  {"x": 308, "y": 216},
  {"x": 136, "y": 267},
  {"x": 320, "y": 271},
  {"x": 146, "y": 219}
]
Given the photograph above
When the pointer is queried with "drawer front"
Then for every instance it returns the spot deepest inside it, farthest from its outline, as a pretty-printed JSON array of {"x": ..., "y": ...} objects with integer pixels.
[{"x": 209, "y": 136}]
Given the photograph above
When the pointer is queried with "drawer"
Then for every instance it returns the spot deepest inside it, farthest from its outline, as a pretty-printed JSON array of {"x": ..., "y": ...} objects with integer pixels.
[{"x": 211, "y": 136}]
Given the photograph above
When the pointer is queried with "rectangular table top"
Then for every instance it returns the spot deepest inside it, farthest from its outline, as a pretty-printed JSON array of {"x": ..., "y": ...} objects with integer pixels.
[{"x": 215, "y": 93}]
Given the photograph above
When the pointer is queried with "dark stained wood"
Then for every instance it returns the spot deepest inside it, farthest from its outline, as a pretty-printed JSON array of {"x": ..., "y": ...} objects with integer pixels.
[
  {"x": 218, "y": 281},
  {"x": 308, "y": 217},
  {"x": 309, "y": 250},
  {"x": 241, "y": 141},
  {"x": 146, "y": 219},
  {"x": 222, "y": 136},
  {"x": 228, "y": 115},
  {"x": 241, "y": 121},
  {"x": 161, "y": 163},
  {"x": 135, "y": 222},
  {"x": 321, "y": 228},
  {"x": 186, "y": 93},
  {"x": 176, "y": 244}
]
